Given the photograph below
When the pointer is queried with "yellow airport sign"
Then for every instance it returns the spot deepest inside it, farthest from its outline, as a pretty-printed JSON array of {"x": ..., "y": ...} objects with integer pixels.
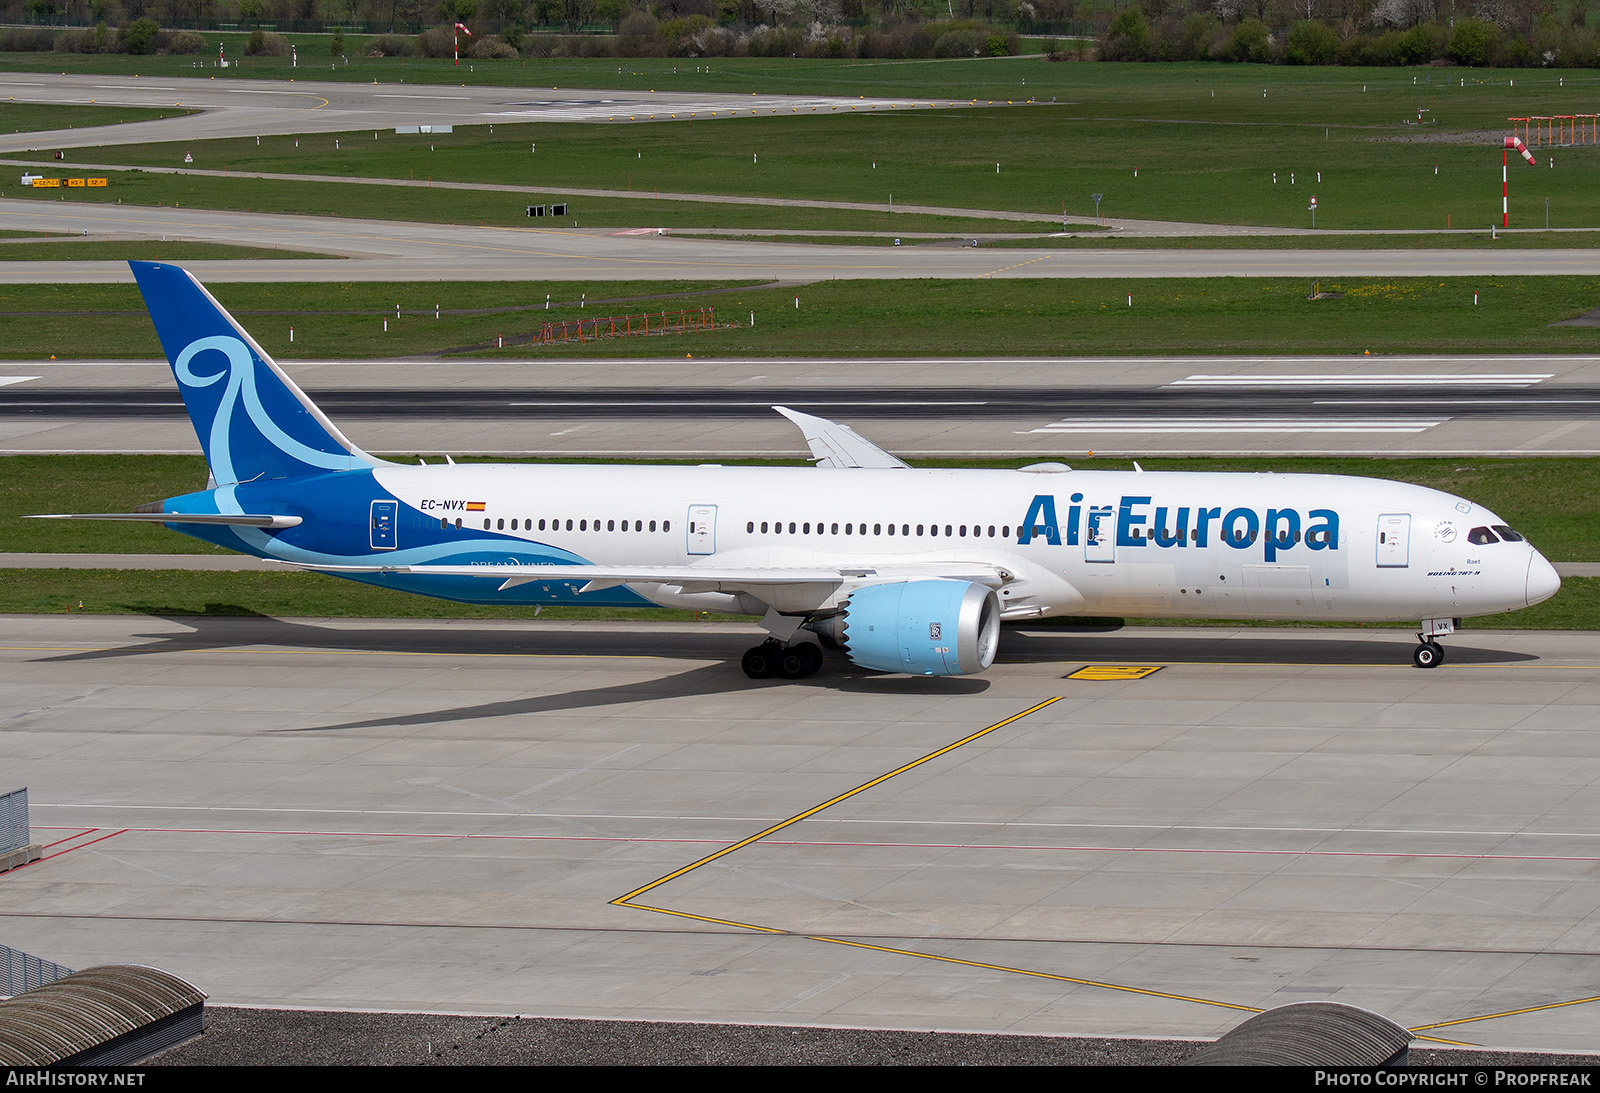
[{"x": 1115, "y": 671}]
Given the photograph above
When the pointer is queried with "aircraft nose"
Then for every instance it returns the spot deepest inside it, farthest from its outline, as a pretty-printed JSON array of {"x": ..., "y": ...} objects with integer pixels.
[{"x": 1543, "y": 581}]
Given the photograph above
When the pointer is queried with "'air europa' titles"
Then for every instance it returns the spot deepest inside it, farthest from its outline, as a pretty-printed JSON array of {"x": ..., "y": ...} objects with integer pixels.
[{"x": 1132, "y": 523}]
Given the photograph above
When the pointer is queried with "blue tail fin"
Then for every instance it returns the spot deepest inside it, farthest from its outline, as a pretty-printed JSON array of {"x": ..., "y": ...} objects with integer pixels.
[{"x": 252, "y": 421}]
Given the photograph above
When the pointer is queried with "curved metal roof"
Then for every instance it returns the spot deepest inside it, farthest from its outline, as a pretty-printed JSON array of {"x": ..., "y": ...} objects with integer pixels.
[
  {"x": 86, "y": 1009},
  {"x": 1310, "y": 1034}
]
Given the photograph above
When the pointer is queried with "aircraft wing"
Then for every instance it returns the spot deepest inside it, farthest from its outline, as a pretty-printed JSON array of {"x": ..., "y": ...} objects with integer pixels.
[
  {"x": 791, "y": 585},
  {"x": 835, "y": 445},
  {"x": 236, "y": 519}
]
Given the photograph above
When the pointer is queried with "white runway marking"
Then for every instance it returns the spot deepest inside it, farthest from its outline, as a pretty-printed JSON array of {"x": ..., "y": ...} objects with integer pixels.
[
  {"x": 1462, "y": 402},
  {"x": 1358, "y": 379},
  {"x": 15, "y": 379},
  {"x": 1237, "y": 425},
  {"x": 657, "y": 404}
]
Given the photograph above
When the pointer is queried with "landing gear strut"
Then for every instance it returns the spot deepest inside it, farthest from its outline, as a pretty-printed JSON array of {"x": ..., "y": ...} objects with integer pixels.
[{"x": 773, "y": 658}]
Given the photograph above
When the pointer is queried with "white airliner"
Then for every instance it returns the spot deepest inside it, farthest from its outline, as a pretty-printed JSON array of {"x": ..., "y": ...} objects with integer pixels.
[{"x": 905, "y": 570}]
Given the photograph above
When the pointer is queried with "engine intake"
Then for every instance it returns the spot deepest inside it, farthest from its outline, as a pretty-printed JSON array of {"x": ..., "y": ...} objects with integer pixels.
[{"x": 930, "y": 628}]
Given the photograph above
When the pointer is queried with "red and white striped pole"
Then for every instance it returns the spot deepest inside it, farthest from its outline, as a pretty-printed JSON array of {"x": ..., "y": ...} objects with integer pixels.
[
  {"x": 1505, "y": 200},
  {"x": 455, "y": 41}
]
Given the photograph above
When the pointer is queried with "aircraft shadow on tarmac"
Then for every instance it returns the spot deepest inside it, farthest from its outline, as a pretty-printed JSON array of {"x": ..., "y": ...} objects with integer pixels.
[
  {"x": 1071, "y": 647},
  {"x": 242, "y": 628},
  {"x": 1207, "y": 645}
]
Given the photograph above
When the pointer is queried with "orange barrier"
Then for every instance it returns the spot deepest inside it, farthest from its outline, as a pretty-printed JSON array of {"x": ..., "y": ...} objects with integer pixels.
[
  {"x": 626, "y": 326},
  {"x": 1557, "y": 129}
]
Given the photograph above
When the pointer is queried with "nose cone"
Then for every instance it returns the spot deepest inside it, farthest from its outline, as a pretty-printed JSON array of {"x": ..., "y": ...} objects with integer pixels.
[{"x": 1543, "y": 582}]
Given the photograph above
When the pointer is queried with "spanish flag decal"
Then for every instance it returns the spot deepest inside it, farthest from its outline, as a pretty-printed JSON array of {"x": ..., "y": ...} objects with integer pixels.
[{"x": 475, "y": 506}]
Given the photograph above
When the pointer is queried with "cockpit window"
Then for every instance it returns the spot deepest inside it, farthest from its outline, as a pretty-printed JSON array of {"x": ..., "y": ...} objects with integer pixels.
[
  {"x": 1481, "y": 537},
  {"x": 1507, "y": 534}
]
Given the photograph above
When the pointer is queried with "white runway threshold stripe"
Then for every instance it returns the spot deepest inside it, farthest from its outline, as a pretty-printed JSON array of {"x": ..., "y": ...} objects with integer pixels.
[
  {"x": 1237, "y": 425},
  {"x": 1360, "y": 379}
]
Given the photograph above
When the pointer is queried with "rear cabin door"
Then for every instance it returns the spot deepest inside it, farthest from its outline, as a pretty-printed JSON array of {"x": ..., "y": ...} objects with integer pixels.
[
  {"x": 384, "y": 516},
  {"x": 1394, "y": 540}
]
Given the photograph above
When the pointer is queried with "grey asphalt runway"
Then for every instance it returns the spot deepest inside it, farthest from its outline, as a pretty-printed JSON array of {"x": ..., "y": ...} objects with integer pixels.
[
  {"x": 925, "y": 409},
  {"x": 474, "y": 817}
]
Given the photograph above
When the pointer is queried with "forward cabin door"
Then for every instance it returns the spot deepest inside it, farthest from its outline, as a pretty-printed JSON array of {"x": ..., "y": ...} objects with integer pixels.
[
  {"x": 1394, "y": 540},
  {"x": 702, "y": 529},
  {"x": 1100, "y": 533}
]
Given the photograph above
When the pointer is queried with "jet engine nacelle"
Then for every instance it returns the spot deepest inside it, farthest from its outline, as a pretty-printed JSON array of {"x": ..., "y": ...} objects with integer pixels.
[{"x": 930, "y": 628}]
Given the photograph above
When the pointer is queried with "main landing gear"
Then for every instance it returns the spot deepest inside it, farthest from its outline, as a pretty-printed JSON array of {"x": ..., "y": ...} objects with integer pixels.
[
  {"x": 1430, "y": 654},
  {"x": 773, "y": 658}
]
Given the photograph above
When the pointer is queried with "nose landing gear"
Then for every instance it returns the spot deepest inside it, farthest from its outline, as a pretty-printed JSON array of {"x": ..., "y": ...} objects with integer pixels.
[
  {"x": 773, "y": 658},
  {"x": 1430, "y": 654}
]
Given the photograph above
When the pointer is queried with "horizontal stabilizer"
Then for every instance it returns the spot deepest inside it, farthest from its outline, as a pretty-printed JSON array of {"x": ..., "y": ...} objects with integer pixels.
[{"x": 237, "y": 519}]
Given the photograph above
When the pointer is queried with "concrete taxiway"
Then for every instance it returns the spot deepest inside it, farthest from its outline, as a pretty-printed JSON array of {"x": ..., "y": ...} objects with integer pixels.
[
  {"x": 380, "y": 250},
  {"x": 235, "y": 107},
  {"x": 588, "y": 819}
]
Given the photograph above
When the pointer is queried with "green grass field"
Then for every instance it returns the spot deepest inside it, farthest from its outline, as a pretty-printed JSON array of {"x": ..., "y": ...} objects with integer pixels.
[
  {"x": 846, "y": 318},
  {"x": 422, "y": 203},
  {"x": 1049, "y": 157},
  {"x": 24, "y": 117},
  {"x": 1204, "y": 140}
]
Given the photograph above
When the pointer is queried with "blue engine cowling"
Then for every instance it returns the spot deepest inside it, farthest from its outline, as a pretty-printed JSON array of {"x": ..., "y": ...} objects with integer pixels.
[{"x": 929, "y": 628}]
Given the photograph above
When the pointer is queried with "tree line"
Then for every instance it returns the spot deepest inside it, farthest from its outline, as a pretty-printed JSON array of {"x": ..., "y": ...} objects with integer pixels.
[{"x": 1492, "y": 33}]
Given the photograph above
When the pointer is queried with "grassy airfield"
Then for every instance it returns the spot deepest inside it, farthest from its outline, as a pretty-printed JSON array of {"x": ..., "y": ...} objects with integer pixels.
[
  {"x": 1191, "y": 166},
  {"x": 1205, "y": 140},
  {"x": 1220, "y": 315}
]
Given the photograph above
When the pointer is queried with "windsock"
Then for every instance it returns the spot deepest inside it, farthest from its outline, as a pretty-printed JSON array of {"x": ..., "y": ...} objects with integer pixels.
[
  {"x": 1516, "y": 142},
  {"x": 1505, "y": 189}
]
